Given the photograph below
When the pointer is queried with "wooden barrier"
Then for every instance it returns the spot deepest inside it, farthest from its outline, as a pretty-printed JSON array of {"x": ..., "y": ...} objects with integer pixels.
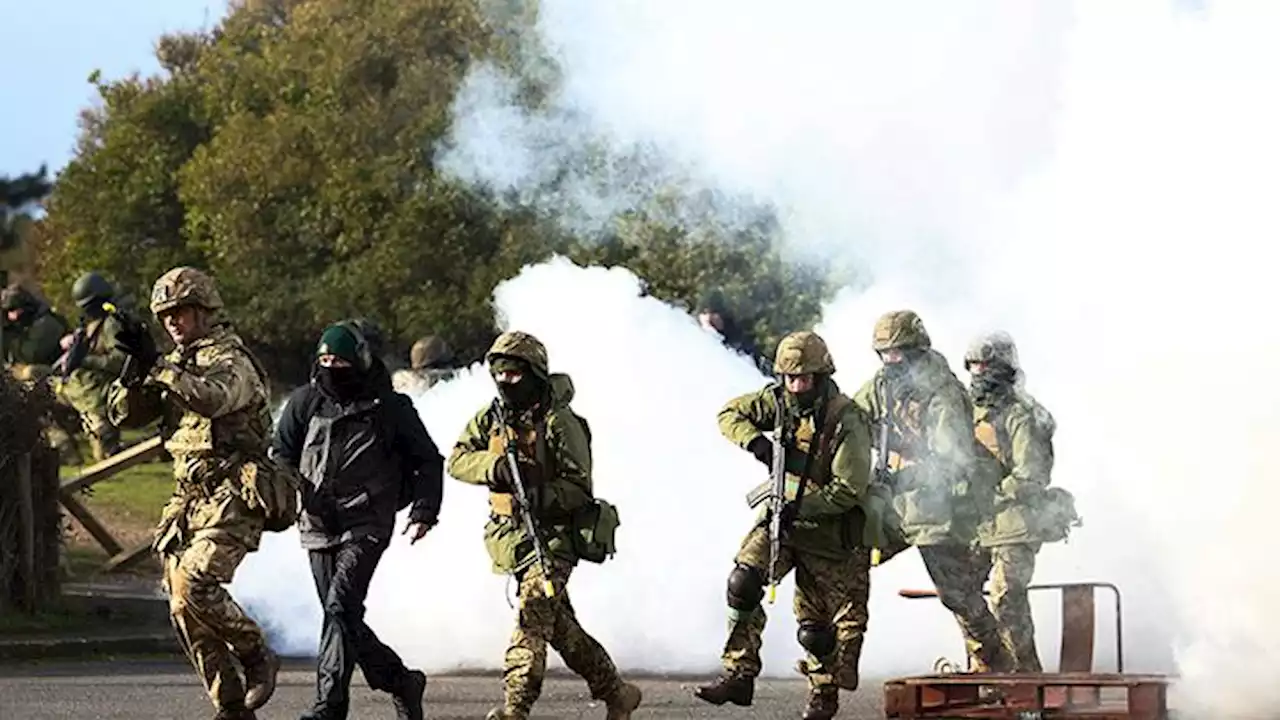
[{"x": 119, "y": 557}]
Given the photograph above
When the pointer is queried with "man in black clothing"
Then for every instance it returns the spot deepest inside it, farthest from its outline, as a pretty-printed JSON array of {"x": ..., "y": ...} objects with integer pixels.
[{"x": 364, "y": 454}]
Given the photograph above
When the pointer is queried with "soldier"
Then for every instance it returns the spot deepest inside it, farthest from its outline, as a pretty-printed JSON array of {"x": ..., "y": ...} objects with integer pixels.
[
  {"x": 364, "y": 454},
  {"x": 553, "y": 447},
  {"x": 32, "y": 333},
  {"x": 211, "y": 395},
  {"x": 931, "y": 465},
  {"x": 430, "y": 362},
  {"x": 85, "y": 388},
  {"x": 1016, "y": 433},
  {"x": 826, "y": 538},
  {"x": 714, "y": 316}
]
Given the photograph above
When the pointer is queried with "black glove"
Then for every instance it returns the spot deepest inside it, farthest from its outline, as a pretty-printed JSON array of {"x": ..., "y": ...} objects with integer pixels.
[
  {"x": 505, "y": 483},
  {"x": 789, "y": 513},
  {"x": 762, "y": 448},
  {"x": 134, "y": 340}
]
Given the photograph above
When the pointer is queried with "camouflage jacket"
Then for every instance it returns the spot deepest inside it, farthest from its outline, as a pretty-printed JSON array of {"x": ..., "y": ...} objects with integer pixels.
[
  {"x": 1016, "y": 437},
  {"x": 211, "y": 396},
  {"x": 931, "y": 451},
  {"x": 100, "y": 366},
  {"x": 556, "y": 441},
  {"x": 832, "y": 455}
]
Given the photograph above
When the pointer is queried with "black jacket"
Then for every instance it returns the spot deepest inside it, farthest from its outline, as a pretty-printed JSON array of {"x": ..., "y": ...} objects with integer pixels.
[{"x": 362, "y": 461}]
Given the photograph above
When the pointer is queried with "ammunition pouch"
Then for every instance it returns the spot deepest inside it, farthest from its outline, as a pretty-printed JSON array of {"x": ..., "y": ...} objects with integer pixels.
[
  {"x": 592, "y": 531},
  {"x": 272, "y": 487}
]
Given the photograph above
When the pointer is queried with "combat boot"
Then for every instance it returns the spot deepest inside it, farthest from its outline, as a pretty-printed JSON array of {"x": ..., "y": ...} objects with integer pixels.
[
  {"x": 823, "y": 704},
  {"x": 235, "y": 714},
  {"x": 737, "y": 689},
  {"x": 506, "y": 713},
  {"x": 260, "y": 677},
  {"x": 409, "y": 700},
  {"x": 623, "y": 702}
]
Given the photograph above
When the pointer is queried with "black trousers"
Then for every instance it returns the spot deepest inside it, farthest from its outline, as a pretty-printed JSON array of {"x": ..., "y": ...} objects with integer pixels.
[{"x": 342, "y": 576}]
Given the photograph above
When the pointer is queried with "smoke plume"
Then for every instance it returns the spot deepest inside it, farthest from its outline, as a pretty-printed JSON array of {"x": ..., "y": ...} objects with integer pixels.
[{"x": 1096, "y": 178}]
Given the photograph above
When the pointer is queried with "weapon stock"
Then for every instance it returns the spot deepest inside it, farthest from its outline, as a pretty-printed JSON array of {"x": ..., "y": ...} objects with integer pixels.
[{"x": 525, "y": 509}]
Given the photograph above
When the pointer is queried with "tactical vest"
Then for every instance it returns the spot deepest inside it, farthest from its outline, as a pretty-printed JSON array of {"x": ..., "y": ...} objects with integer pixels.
[
  {"x": 817, "y": 467},
  {"x": 530, "y": 445},
  {"x": 191, "y": 437},
  {"x": 907, "y": 437},
  {"x": 991, "y": 435}
]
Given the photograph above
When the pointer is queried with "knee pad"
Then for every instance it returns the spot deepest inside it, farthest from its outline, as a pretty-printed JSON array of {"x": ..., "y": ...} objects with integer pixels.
[
  {"x": 746, "y": 588},
  {"x": 818, "y": 638}
]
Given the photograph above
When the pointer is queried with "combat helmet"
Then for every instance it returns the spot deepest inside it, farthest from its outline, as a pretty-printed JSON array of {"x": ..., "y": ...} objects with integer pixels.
[
  {"x": 426, "y": 351},
  {"x": 899, "y": 329},
  {"x": 801, "y": 353},
  {"x": 184, "y": 286},
  {"x": 993, "y": 348},
  {"x": 521, "y": 346},
  {"x": 89, "y": 287}
]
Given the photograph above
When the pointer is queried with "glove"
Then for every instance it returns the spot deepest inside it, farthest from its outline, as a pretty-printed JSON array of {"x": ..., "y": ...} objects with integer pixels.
[
  {"x": 504, "y": 483},
  {"x": 762, "y": 449},
  {"x": 135, "y": 341}
]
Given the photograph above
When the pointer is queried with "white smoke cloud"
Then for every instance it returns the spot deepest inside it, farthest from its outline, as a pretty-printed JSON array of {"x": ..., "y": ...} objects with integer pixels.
[{"x": 1097, "y": 179}]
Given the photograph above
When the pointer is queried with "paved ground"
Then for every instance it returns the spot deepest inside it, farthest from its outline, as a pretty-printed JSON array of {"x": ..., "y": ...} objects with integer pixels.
[{"x": 146, "y": 690}]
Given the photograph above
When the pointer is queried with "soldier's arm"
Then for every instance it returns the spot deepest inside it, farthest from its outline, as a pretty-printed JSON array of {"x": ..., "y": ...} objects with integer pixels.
[
  {"x": 748, "y": 417},
  {"x": 1031, "y": 456},
  {"x": 471, "y": 461},
  {"x": 570, "y": 488},
  {"x": 228, "y": 384},
  {"x": 47, "y": 340},
  {"x": 850, "y": 472},
  {"x": 420, "y": 454},
  {"x": 111, "y": 361},
  {"x": 291, "y": 429},
  {"x": 133, "y": 407},
  {"x": 950, "y": 435}
]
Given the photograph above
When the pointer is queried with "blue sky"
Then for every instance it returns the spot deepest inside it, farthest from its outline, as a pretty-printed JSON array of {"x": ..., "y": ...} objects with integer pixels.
[{"x": 40, "y": 105}]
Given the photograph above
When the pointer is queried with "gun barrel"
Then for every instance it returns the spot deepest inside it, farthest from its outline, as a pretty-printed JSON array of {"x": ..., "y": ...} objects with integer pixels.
[{"x": 526, "y": 512}]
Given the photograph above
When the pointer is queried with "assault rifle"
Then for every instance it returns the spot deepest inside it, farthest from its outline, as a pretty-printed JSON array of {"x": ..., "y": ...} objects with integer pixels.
[
  {"x": 778, "y": 498},
  {"x": 880, "y": 475},
  {"x": 527, "y": 514}
]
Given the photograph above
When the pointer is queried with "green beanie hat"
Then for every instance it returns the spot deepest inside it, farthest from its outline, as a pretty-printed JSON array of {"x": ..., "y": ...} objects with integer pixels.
[{"x": 338, "y": 340}]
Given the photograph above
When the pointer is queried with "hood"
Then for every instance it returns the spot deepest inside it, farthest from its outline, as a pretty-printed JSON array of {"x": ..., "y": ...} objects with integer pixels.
[{"x": 561, "y": 389}]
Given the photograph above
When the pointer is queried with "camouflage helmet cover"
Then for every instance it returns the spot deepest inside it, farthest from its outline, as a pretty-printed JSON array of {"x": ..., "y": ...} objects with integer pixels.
[
  {"x": 427, "y": 350},
  {"x": 522, "y": 346},
  {"x": 993, "y": 347},
  {"x": 801, "y": 353},
  {"x": 91, "y": 286},
  {"x": 184, "y": 286},
  {"x": 899, "y": 329}
]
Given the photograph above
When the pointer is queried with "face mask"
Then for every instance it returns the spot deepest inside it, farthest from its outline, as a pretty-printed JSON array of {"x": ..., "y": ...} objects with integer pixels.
[
  {"x": 342, "y": 383},
  {"x": 992, "y": 382},
  {"x": 521, "y": 395}
]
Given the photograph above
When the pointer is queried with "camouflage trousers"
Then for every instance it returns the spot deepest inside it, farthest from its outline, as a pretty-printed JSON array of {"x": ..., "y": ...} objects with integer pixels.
[
  {"x": 831, "y": 592},
  {"x": 544, "y": 621},
  {"x": 958, "y": 573},
  {"x": 210, "y": 625},
  {"x": 1011, "y": 569}
]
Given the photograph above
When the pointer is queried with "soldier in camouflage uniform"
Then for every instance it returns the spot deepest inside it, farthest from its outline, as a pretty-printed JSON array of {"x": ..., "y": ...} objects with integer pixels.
[
  {"x": 827, "y": 536},
  {"x": 553, "y": 446},
  {"x": 936, "y": 495},
  {"x": 211, "y": 396},
  {"x": 85, "y": 389},
  {"x": 32, "y": 333},
  {"x": 429, "y": 363},
  {"x": 1016, "y": 437}
]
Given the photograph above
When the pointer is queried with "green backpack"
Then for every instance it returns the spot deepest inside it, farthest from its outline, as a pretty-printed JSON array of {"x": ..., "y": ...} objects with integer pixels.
[{"x": 594, "y": 526}]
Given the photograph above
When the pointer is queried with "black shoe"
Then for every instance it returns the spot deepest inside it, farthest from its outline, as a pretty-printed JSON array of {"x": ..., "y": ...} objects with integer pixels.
[
  {"x": 409, "y": 700},
  {"x": 737, "y": 689}
]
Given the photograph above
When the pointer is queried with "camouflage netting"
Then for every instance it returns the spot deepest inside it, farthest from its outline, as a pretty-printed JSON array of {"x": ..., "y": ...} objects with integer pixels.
[{"x": 21, "y": 434}]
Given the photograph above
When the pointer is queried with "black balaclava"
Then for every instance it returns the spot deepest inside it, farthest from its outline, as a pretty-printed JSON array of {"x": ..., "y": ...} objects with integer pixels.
[
  {"x": 994, "y": 382},
  {"x": 341, "y": 383},
  {"x": 519, "y": 396},
  {"x": 902, "y": 369}
]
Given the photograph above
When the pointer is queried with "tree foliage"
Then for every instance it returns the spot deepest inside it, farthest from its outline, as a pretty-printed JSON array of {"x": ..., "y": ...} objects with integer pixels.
[{"x": 289, "y": 152}]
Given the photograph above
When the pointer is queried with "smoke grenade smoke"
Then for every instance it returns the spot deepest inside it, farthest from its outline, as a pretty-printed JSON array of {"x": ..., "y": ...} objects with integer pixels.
[{"x": 1096, "y": 179}]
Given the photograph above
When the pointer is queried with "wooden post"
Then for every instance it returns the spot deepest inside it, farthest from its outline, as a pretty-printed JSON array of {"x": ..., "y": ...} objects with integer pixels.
[{"x": 27, "y": 531}]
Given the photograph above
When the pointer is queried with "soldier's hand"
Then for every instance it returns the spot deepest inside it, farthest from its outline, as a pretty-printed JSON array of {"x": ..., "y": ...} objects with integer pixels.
[
  {"x": 501, "y": 477},
  {"x": 135, "y": 340},
  {"x": 762, "y": 449},
  {"x": 416, "y": 531}
]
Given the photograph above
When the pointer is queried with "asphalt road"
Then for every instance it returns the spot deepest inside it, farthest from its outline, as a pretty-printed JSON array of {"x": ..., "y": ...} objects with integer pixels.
[{"x": 168, "y": 690}]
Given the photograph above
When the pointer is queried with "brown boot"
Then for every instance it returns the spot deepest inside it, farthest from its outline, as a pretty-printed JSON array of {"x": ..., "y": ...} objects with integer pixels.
[
  {"x": 623, "y": 702},
  {"x": 260, "y": 678},
  {"x": 737, "y": 689},
  {"x": 823, "y": 704},
  {"x": 506, "y": 713}
]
